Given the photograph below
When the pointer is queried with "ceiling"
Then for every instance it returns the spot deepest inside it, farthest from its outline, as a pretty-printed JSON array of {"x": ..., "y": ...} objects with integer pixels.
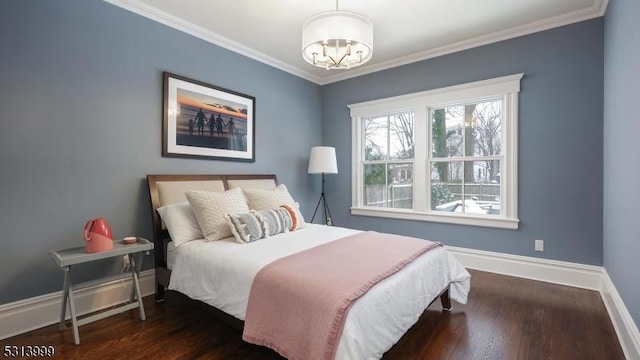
[{"x": 407, "y": 31}]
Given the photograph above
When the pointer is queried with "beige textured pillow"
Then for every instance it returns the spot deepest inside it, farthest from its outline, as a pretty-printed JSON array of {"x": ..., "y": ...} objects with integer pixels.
[
  {"x": 211, "y": 207},
  {"x": 260, "y": 199}
]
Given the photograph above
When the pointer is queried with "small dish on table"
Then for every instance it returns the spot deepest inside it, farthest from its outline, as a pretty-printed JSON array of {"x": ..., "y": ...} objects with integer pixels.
[{"x": 130, "y": 240}]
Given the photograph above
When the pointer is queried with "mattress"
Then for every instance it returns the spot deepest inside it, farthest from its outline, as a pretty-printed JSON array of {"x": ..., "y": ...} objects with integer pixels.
[{"x": 220, "y": 273}]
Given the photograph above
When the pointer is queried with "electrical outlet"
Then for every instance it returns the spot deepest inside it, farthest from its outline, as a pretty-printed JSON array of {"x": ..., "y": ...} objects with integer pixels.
[{"x": 539, "y": 245}]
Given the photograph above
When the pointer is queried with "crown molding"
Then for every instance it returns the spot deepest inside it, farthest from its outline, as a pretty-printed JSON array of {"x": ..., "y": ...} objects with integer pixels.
[
  {"x": 152, "y": 13},
  {"x": 598, "y": 9}
]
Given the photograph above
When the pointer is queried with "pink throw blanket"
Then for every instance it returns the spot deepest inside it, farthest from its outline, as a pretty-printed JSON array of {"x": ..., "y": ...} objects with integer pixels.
[{"x": 298, "y": 304}]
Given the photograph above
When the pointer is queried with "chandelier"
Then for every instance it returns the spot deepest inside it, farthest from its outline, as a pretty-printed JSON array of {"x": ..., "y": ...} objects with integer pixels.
[{"x": 337, "y": 39}]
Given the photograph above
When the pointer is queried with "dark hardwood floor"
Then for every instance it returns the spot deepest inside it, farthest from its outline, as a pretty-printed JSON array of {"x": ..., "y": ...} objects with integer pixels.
[{"x": 505, "y": 318}]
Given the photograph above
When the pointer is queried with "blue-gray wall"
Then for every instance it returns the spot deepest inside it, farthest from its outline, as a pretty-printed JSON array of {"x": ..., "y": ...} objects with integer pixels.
[
  {"x": 621, "y": 149},
  {"x": 81, "y": 122},
  {"x": 560, "y": 140},
  {"x": 80, "y": 127}
]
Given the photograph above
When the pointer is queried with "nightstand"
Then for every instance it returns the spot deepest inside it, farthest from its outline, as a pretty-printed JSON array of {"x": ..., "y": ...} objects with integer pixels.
[{"x": 66, "y": 258}]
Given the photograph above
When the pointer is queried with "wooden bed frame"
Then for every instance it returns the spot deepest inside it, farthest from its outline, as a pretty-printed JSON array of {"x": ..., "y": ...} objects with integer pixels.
[{"x": 161, "y": 236}]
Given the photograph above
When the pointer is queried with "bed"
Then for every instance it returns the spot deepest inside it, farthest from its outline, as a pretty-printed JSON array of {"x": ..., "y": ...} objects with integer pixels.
[{"x": 220, "y": 273}]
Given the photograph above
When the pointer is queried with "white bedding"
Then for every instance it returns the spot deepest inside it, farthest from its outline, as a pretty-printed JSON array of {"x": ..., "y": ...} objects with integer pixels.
[
  {"x": 171, "y": 255},
  {"x": 220, "y": 274}
]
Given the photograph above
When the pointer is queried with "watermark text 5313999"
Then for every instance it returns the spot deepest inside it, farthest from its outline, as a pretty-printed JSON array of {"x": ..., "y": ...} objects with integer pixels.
[{"x": 28, "y": 351}]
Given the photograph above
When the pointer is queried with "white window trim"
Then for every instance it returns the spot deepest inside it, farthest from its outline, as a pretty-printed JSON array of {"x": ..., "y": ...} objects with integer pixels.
[{"x": 506, "y": 87}]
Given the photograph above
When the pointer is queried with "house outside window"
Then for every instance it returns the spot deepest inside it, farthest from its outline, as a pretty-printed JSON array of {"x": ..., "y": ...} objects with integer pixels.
[{"x": 445, "y": 155}]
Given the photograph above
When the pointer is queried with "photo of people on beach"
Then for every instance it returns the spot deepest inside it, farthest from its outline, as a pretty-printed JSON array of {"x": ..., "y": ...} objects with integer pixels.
[
  {"x": 205, "y": 121},
  {"x": 209, "y": 122}
]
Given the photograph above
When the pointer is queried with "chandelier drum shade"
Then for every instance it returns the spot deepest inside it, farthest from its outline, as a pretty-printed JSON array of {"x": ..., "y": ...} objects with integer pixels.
[{"x": 337, "y": 40}]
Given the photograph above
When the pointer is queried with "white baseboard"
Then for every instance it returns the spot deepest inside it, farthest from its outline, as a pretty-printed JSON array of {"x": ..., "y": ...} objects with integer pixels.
[
  {"x": 563, "y": 273},
  {"x": 552, "y": 271},
  {"x": 627, "y": 330},
  {"x": 40, "y": 311}
]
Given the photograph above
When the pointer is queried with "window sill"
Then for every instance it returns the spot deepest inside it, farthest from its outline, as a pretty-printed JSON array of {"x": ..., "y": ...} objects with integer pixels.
[{"x": 500, "y": 223}]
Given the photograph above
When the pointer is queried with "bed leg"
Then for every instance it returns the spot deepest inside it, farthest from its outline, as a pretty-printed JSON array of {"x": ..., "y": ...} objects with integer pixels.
[
  {"x": 159, "y": 293},
  {"x": 445, "y": 300}
]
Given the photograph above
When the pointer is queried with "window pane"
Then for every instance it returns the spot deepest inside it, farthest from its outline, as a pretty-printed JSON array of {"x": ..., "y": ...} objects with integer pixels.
[
  {"x": 401, "y": 136},
  {"x": 376, "y": 132},
  {"x": 446, "y": 130},
  {"x": 482, "y": 187},
  {"x": 483, "y": 128},
  {"x": 388, "y": 185},
  {"x": 375, "y": 193},
  {"x": 400, "y": 189},
  {"x": 446, "y": 186}
]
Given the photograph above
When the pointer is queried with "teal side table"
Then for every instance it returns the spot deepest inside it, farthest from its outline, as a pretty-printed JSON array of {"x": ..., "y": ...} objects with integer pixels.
[{"x": 66, "y": 258}]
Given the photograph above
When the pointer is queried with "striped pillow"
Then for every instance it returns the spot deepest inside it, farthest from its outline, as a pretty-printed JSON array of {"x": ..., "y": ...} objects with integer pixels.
[
  {"x": 275, "y": 221},
  {"x": 245, "y": 227},
  {"x": 259, "y": 224}
]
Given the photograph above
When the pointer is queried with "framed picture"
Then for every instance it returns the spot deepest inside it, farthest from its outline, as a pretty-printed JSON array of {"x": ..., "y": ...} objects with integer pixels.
[{"x": 205, "y": 121}]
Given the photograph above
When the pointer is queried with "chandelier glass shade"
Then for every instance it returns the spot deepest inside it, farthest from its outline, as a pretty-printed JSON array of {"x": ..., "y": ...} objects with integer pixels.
[{"x": 337, "y": 40}]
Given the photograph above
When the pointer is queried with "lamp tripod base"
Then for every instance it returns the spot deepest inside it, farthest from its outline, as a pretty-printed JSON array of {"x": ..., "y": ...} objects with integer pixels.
[{"x": 328, "y": 220}]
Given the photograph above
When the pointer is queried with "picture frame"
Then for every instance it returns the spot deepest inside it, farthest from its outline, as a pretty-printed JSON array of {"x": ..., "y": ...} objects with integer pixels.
[{"x": 205, "y": 121}]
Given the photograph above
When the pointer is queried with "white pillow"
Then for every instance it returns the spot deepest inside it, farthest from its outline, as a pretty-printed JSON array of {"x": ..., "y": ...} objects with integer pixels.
[
  {"x": 260, "y": 199},
  {"x": 211, "y": 207},
  {"x": 181, "y": 223}
]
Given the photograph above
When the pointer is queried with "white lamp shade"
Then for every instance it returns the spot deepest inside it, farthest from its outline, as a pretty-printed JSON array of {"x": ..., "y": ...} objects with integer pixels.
[
  {"x": 323, "y": 160},
  {"x": 348, "y": 38}
]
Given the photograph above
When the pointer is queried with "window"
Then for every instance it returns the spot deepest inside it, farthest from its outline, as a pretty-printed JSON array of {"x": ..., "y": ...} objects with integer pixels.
[
  {"x": 388, "y": 161},
  {"x": 445, "y": 155}
]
